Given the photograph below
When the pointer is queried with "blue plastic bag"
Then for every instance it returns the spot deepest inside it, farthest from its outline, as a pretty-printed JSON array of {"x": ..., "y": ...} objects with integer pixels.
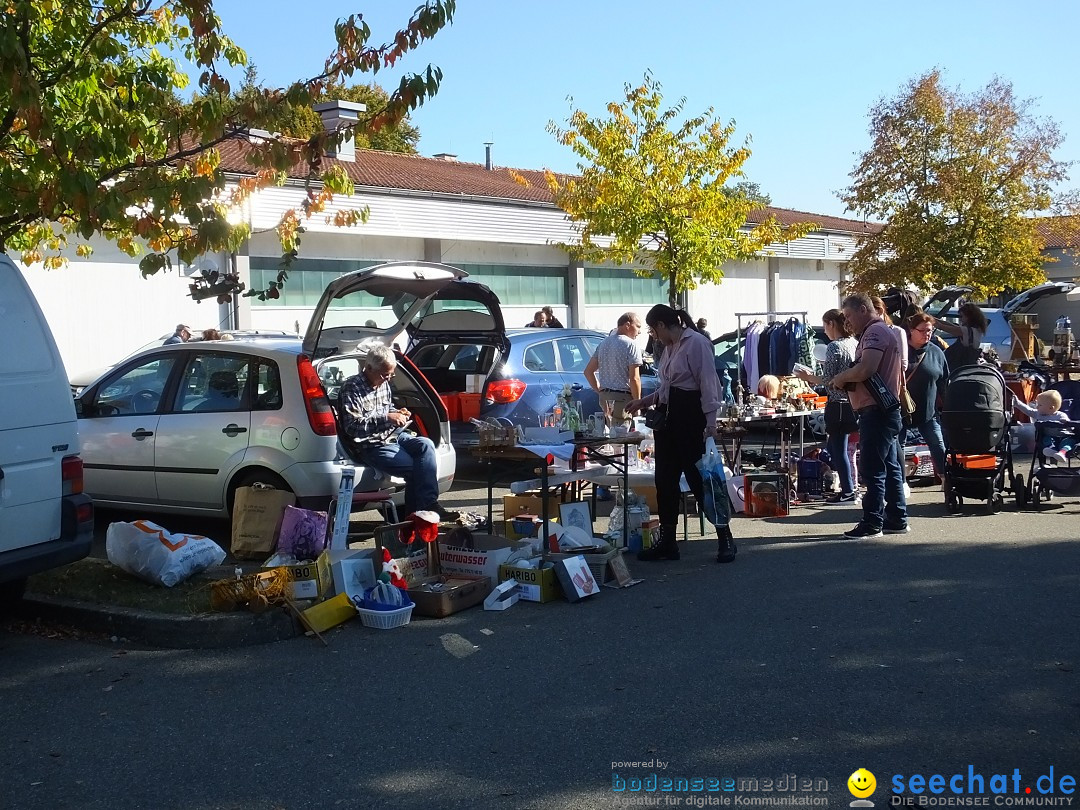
[{"x": 717, "y": 506}]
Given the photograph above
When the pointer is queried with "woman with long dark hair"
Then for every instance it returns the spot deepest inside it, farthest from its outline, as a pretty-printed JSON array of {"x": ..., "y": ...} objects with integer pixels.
[{"x": 690, "y": 392}]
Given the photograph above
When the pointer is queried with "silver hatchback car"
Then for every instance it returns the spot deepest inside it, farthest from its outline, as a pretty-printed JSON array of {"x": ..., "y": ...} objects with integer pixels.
[{"x": 178, "y": 428}]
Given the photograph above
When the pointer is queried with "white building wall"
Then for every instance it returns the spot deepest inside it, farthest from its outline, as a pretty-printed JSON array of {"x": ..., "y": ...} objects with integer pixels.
[
  {"x": 808, "y": 285},
  {"x": 744, "y": 288},
  {"x": 101, "y": 309}
]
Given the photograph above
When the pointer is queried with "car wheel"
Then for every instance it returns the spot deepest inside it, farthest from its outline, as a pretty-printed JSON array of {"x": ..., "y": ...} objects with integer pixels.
[
  {"x": 10, "y": 593},
  {"x": 252, "y": 477}
]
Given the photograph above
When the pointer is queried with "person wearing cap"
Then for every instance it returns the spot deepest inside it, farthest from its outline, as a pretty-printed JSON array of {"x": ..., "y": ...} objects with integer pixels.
[{"x": 181, "y": 335}]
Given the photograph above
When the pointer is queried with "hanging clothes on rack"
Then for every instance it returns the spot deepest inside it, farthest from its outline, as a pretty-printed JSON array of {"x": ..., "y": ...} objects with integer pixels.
[{"x": 751, "y": 365}]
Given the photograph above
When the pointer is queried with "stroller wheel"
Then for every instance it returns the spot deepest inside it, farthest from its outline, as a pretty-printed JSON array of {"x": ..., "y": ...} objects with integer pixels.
[
  {"x": 1035, "y": 498},
  {"x": 995, "y": 503},
  {"x": 953, "y": 504}
]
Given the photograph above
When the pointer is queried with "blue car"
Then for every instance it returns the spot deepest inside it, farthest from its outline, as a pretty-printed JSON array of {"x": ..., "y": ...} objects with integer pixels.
[{"x": 523, "y": 371}]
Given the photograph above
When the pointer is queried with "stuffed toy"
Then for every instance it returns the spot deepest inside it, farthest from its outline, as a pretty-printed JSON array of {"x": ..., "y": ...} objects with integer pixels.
[
  {"x": 391, "y": 571},
  {"x": 424, "y": 529}
]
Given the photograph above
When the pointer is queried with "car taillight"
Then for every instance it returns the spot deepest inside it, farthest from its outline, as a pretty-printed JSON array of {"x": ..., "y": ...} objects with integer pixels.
[
  {"x": 503, "y": 391},
  {"x": 320, "y": 414},
  {"x": 71, "y": 473}
]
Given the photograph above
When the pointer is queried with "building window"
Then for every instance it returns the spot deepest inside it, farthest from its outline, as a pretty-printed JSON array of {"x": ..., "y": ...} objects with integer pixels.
[
  {"x": 619, "y": 286},
  {"x": 521, "y": 286},
  {"x": 514, "y": 285},
  {"x": 307, "y": 278}
]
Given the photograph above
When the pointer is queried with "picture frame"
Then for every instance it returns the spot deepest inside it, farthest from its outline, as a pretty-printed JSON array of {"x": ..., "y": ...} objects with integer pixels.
[{"x": 576, "y": 514}]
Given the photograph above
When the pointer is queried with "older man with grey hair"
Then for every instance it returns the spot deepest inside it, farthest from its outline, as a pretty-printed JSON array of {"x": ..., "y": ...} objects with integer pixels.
[{"x": 369, "y": 416}]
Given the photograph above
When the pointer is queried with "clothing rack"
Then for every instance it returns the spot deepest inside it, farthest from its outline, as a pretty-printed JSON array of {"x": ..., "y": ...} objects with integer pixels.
[{"x": 773, "y": 315}]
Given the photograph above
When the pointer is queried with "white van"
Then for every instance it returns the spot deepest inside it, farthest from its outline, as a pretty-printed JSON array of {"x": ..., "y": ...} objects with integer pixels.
[{"x": 45, "y": 519}]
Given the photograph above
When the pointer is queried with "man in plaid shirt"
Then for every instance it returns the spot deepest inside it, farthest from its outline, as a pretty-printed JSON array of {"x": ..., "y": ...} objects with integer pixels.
[{"x": 368, "y": 415}]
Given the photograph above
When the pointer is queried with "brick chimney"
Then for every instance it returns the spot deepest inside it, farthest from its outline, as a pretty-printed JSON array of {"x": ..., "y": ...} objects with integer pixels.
[{"x": 336, "y": 115}]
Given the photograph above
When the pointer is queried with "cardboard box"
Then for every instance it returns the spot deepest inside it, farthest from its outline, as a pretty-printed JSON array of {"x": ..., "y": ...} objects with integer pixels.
[
  {"x": 530, "y": 505},
  {"x": 413, "y": 567},
  {"x": 489, "y": 551},
  {"x": 461, "y": 592},
  {"x": 537, "y": 585},
  {"x": 766, "y": 494},
  {"x": 310, "y": 580},
  {"x": 330, "y": 613}
]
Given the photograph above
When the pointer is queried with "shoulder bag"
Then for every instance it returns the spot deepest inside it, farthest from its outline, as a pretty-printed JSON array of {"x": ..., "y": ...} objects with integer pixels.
[{"x": 907, "y": 404}]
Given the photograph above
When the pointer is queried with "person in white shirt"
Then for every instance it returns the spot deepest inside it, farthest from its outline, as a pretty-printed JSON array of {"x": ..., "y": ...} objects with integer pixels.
[{"x": 614, "y": 370}]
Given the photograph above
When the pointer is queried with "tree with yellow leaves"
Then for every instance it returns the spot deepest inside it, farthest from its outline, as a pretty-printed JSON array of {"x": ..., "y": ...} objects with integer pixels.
[
  {"x": 957, "y": 181},
  {"x": 652, "y": 192}
]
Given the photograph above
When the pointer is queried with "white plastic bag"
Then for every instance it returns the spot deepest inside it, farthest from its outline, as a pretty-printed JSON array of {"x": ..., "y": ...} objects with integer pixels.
[{"x": 148, "y": 551}]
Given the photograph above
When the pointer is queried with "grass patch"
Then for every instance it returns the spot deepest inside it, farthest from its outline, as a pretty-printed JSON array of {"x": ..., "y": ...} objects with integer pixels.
[{"x": 100, "y": 582}]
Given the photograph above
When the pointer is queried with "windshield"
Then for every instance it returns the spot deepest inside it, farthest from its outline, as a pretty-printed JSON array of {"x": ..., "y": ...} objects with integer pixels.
[{"x": 365, "y": 309}]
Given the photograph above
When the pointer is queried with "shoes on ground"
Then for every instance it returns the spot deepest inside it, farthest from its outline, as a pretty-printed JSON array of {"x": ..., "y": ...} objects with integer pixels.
[
  {"x": 862, "y": 532},
  {"x": 661, "y": 551},
  {"x": 445, "y": 515},
  {"x": 839, "y": 499},
  {"x": 896, "y": 529}
]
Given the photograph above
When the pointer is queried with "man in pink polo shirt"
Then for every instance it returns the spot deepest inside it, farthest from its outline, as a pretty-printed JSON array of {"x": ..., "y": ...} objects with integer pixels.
[{"x": 877, "y": 360}]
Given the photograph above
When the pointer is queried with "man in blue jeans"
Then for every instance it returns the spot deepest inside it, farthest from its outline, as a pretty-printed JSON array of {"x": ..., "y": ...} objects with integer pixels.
[
  {"x": 878, "y": 353},
  {"x": 368, "y": 415}
]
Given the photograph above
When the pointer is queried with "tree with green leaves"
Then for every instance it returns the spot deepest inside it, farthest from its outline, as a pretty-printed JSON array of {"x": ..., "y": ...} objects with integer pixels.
[
  {"x": 654, "y": 192},
  {"x": 94, "y": 139},
  {"x": 303, "y": 122},
  {"x": 957, "y": 180}
]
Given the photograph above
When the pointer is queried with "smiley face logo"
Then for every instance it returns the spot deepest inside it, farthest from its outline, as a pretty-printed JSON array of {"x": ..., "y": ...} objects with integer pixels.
[{"x": 861, "y": 783}]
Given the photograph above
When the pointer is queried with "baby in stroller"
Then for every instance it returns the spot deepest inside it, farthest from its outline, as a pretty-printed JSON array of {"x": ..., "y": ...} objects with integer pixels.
[{"x": 1056, "y": 446}]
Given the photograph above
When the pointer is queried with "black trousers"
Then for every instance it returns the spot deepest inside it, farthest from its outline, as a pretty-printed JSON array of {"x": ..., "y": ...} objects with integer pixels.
[{"x": 677, "y": 449}]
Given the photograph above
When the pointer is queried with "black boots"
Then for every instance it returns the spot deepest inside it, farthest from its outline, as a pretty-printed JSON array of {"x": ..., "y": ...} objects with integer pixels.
[
  {"x": 725, "y": 547},
  {"x": 664, "y": 547}
]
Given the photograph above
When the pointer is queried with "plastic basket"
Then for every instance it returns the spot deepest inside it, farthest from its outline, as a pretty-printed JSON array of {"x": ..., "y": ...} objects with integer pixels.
[{"x": 385, "y": 619}]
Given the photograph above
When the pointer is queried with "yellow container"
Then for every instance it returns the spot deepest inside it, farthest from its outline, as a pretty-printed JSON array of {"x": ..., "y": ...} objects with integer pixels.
[{"x": 330, "y": 613}]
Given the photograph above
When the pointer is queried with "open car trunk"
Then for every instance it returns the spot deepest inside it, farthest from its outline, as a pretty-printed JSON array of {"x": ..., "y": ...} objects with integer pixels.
[{"x": 444, "y": 327}]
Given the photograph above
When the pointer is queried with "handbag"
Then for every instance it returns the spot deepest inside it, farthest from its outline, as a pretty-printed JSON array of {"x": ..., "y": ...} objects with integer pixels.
[
  {"x": 839, "y": 417},
  {"x": 656, "y": 418},
  {"x": 907, "y": 404}
]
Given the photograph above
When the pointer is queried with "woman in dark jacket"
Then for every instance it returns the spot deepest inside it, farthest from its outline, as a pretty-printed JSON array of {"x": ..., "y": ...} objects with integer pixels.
[
  {"x": 927, "y": 373},
  {"x": 690, "y": 390}
]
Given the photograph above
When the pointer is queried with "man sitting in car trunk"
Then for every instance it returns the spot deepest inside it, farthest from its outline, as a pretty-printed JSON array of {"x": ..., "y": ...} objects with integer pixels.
[{"x": 377, "y": 428}]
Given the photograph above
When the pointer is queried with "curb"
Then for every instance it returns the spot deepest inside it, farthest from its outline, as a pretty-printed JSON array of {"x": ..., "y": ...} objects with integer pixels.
[{"x": 210, "y": 631}]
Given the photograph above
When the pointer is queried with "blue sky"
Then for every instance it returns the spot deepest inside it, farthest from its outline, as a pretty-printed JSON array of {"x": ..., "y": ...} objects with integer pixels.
[{"x": 799, "y": 78}]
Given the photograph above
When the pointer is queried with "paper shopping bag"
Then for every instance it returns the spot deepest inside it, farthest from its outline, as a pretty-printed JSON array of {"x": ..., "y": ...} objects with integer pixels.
[{"x": 257, "y": 514}]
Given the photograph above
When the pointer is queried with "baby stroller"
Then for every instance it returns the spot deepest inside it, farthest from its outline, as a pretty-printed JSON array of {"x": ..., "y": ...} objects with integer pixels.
[
  {"x": 975, "y": 420},
  {"x": 1046, "y": 479}
]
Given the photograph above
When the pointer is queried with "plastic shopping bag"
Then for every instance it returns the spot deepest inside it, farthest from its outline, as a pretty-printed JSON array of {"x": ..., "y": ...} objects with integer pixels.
[
  {"x": 148, "y": 551},
  {"x": 717, "y": 507}
]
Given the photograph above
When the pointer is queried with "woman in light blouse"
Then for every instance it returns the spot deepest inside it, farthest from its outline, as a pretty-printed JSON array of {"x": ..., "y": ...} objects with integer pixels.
[{"x": 690, "y": 390}]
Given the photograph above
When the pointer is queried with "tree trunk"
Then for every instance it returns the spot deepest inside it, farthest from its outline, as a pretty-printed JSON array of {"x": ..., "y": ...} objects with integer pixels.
[{"x": 672, "y": 295}]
